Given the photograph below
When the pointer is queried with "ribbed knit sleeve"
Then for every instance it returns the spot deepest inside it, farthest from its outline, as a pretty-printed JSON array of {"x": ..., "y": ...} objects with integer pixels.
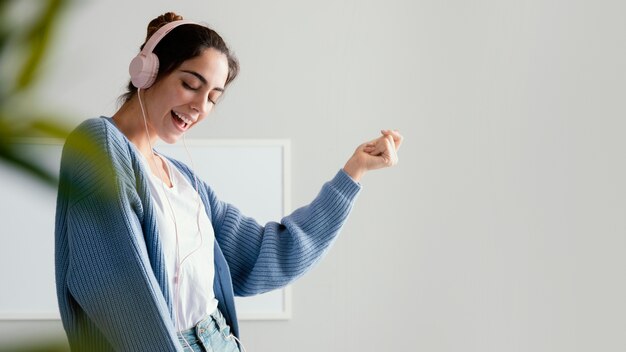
[
  {"x": 108, "y": 295},
  {"x": 263, "y": 258}
]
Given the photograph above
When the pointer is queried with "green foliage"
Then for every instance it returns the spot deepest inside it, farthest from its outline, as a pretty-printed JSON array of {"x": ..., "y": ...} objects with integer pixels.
[
  {"x": 27, "y": 45},
  {"x": 42, "y": 347},
  {"x": 38, "y": 40}
]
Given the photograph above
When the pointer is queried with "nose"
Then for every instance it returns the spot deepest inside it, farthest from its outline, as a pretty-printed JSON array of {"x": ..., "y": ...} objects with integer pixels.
[{"x": 202, "y": 105}]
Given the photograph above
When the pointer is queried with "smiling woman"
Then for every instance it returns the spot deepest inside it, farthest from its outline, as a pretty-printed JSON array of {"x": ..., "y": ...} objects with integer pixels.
[
  {"x": 147, "y": 257},
  {"x": 180, "y": 44},
  {"x": 178, "y": 100}
]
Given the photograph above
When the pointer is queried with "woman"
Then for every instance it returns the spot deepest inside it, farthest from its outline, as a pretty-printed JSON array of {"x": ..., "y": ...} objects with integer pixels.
[{"x": 147, "y": 257}]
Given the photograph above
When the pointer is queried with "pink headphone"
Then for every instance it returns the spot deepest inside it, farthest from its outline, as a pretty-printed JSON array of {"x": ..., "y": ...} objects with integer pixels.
[{"x": 144, "y": 67}]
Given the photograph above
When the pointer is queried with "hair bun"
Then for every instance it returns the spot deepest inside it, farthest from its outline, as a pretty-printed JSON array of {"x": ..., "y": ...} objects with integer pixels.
[{"x": 161, "y": 21}]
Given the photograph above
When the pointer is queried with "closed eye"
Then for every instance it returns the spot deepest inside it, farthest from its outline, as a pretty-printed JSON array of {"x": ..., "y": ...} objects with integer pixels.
[
  {"x": 187, "y": 86},
  {"x": 215, "y": 96}
]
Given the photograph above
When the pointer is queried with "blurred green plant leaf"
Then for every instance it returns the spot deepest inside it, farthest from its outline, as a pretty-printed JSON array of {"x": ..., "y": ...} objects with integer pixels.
[
  {"x": 35, "y": 37},
  {"x": 38, "y": 40}
]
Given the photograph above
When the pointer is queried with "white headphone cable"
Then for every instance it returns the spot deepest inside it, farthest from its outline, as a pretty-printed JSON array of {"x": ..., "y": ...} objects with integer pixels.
[
  {"x": 195, "y": 179},
  {"x": 178, "y": 261}
]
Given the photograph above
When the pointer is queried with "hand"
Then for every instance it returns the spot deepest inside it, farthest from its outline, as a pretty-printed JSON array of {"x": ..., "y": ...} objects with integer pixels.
[{"x": 378, "y": 153}]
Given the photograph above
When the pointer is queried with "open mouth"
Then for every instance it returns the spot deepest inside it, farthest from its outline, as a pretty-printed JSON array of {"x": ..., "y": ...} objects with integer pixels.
[{"x": 182, "y": 122}]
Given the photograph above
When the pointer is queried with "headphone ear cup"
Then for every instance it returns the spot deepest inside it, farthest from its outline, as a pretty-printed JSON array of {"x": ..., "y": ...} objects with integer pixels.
[{"x": 143, "y": 70}]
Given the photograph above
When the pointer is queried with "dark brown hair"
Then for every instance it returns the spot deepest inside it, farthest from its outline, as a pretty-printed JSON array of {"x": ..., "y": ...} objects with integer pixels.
[{"x": 183, "y": 43}]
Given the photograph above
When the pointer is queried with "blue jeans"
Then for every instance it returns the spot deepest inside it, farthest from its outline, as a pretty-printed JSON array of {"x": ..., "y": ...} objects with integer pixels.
[{"x": 212, "y": 334}]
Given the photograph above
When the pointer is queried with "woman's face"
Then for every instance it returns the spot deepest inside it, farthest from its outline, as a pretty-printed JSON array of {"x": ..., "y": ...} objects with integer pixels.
[{"x": 181, "y": 99}]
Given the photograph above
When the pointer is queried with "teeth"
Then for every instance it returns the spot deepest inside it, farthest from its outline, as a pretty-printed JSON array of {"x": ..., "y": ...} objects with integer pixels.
[{"x": 185, "y": 119}]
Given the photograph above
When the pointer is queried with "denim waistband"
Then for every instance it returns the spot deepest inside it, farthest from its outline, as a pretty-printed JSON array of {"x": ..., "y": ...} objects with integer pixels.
[{"x": 214, "y": 321}]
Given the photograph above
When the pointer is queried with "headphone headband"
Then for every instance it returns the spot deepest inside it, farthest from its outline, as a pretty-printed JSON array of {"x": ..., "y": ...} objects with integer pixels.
[
  {"x": 144, "y": 67},
  {"x": 160, "y": 33}
]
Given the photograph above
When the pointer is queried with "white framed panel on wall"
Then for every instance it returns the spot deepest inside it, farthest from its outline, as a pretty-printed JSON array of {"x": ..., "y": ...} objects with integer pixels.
[{"x": 251, "y": 174}]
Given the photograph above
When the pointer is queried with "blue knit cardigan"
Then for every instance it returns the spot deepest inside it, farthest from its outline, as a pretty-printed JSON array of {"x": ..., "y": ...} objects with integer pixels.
[{"x": 111, "y": 279}]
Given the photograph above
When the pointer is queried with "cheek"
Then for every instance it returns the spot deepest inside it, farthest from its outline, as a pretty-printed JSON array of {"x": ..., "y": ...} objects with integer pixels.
[{"x": 201, "y": 118}]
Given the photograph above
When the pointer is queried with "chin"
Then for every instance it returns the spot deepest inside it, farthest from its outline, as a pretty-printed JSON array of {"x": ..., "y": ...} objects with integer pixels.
[{"x": 170, "y": 139}]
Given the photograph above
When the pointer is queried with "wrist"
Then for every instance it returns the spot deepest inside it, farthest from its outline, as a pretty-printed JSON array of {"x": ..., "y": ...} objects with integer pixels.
[{"x": 353, "y": 171}]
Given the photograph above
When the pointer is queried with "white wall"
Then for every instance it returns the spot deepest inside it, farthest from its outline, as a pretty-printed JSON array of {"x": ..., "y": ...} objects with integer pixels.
[{"x": 502, "y": 229}]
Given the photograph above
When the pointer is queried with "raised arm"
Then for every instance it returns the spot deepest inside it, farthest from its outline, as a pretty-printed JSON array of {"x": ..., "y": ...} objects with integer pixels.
[{"x": 262, "y": 258}]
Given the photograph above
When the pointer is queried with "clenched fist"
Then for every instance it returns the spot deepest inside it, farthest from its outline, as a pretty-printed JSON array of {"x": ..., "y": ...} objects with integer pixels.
[{"x": 378, "y": 153}]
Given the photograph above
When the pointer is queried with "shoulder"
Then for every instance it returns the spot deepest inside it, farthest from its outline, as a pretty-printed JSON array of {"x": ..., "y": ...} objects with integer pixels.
[
  {"x": 99, "y": 135},
  {"x": 94, "y": 131},
  {"x": 97, "y": 153}
]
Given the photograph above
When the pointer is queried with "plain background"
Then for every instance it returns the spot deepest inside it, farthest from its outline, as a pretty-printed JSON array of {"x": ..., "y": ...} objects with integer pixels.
[{"x": 503, "y": 228}]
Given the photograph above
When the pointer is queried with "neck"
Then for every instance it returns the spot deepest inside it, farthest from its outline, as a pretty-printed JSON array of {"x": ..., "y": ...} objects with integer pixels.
[{"x": 129, "y": 119}]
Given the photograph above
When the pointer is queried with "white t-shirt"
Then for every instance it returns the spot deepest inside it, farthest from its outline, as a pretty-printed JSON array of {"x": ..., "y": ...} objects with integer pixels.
[{"x": 193, "y": 297}]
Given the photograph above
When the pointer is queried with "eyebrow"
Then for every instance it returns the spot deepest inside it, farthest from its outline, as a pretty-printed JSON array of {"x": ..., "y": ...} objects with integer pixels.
[{"x": 202, "y": 79}]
